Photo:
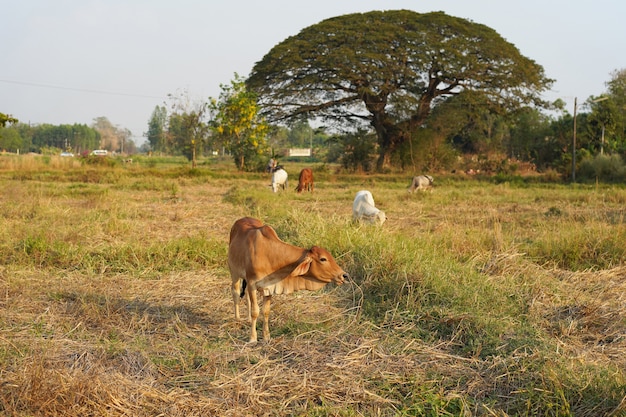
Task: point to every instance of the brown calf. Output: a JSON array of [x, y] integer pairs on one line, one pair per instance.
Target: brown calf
[[270, 266]]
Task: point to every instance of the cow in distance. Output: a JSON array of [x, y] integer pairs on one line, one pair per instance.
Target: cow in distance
[[421, 183], [364, 209], [279, 178], [305, 181], [260, 262]]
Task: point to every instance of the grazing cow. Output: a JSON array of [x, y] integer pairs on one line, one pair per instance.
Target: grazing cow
[[279, 179], [364, 209], [270, 266], [305, 182], [420, 183]]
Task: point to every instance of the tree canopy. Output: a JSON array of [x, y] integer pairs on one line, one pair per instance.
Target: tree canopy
[[156, 129], [389, 69], [238, 125], [188, 126], [6, 119]]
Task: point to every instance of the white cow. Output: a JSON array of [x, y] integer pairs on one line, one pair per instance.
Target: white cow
[[421, 182], [364, 209], [279, 179]]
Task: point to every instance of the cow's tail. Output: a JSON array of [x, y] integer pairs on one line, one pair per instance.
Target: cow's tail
[[243, 288]]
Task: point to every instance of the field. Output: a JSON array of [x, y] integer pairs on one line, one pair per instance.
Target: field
[[482, 297]]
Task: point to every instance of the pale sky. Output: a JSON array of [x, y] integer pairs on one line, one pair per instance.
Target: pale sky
[[71, 61]]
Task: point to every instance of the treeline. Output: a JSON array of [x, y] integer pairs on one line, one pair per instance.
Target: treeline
[[16, 137], [462, 133], [23, 138]]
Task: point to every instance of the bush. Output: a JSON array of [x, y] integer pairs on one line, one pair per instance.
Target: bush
[[605, 168], [98, 160], [358, 152]]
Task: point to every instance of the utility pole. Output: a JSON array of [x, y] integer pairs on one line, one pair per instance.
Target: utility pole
[[574, 144], [602, 141]]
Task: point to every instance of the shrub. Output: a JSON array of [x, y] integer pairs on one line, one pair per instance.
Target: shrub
[[98, 161], [606, 168]]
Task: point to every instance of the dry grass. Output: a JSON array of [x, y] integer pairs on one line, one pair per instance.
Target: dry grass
[[121, 346], [129, 318]]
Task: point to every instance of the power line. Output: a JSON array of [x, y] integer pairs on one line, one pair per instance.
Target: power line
[[82, 90]]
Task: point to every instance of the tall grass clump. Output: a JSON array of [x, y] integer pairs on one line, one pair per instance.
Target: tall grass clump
[[189, 253], [415, 286], [595, 250], [240, 197], [596, 244]]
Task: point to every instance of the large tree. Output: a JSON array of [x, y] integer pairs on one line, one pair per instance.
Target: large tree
[[188, 126], [389, 69], [112, 138]]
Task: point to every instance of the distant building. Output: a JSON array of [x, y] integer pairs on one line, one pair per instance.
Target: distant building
[[300, 152]]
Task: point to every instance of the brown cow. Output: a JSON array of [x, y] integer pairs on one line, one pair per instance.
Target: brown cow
[[266, 264], [306, 180]]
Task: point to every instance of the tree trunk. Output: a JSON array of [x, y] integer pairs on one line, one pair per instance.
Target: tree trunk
[[385, 132], [384, 160], [391, 135]]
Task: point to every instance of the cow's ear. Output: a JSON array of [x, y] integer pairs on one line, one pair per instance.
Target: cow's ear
[[303, 267]]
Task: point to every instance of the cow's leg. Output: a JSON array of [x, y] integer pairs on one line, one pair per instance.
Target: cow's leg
[[249, 309], [254, 312], [267, 302], [236, 290]]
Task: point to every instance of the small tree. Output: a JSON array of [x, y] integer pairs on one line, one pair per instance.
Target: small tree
[[109, 138], [7, 118], [238, 124], [188, 129], [10, 139], [359, 150], [156, 129], [617, 93]]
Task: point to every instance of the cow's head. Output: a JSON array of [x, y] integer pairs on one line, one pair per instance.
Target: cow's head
[[381, 217], [320, 264]]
